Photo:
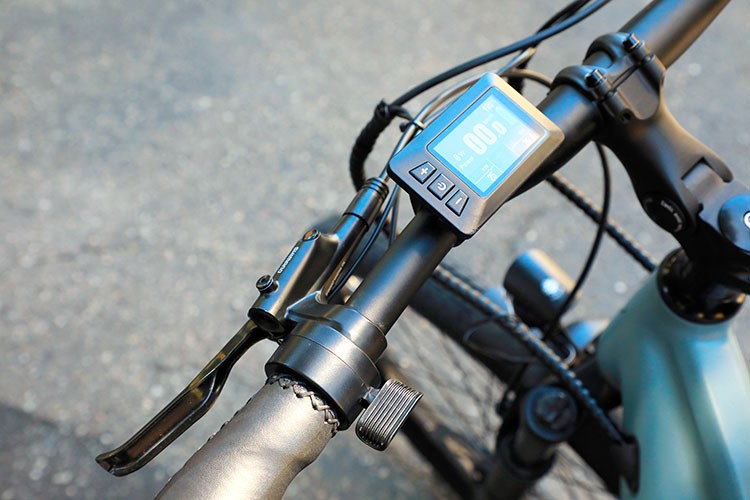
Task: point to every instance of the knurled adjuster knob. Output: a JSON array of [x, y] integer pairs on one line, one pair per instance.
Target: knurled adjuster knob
[[386, 413]]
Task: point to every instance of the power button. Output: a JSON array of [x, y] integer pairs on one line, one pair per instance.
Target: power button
[[440, 186]]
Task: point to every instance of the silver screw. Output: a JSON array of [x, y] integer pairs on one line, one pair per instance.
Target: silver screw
[[265, 283], [746, 219]]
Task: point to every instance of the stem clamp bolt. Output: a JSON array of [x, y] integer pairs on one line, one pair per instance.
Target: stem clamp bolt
[[631, 42], [594, 78], [311, 235]]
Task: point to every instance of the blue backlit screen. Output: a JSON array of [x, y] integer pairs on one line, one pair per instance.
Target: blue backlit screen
[[484, 144]]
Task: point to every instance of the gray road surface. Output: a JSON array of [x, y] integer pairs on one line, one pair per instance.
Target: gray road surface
[[157, 157]]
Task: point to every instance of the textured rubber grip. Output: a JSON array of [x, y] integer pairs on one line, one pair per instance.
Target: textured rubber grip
[[258, 452]]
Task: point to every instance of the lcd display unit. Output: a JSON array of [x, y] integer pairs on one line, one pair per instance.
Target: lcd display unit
[[475, 153], [484, 144]]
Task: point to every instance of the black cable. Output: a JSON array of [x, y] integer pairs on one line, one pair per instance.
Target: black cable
[[536, 346], [530, 41], [336, 288], [385, 113], [527, 74], [393, 232], [594, 246], [381, 118], [576, 196], [617, 233], [565, 12]]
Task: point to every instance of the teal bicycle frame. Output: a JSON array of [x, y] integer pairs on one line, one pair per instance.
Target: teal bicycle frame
[[686, 397]]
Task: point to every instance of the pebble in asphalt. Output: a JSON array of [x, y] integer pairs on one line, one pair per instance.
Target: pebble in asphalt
[[158, 157]]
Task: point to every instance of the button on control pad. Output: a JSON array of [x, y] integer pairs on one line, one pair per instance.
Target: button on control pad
[[441, 186], [422, 172], [457, 202]]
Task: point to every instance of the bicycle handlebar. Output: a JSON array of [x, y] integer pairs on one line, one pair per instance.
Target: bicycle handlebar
[[671, 26]]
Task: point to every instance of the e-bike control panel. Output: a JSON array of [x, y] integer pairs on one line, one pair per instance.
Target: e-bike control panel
[[467, 162]]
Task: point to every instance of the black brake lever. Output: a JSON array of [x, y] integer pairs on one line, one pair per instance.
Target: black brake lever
[[184, 410], [313, 264]]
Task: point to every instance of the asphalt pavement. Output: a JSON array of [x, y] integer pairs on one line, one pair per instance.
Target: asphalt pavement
[[157, 157]]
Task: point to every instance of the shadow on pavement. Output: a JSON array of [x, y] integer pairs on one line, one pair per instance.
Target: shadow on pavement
[[47, 461]]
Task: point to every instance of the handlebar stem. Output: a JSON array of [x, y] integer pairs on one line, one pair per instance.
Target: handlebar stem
[[680, 182], [615, 97]]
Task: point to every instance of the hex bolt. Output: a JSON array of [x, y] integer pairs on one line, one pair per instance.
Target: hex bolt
[[631, 42], [265, 283], [311, 235], [556, 410], [594, 78], [746, 220]]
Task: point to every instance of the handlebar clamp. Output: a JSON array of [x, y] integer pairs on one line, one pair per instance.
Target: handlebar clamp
[[334, 348], [630, 88]]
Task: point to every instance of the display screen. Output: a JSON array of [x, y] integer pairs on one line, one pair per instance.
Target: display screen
[[484, 144]]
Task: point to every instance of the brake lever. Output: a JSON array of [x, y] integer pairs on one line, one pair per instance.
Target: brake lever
[[184, 410], [313, 264]]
